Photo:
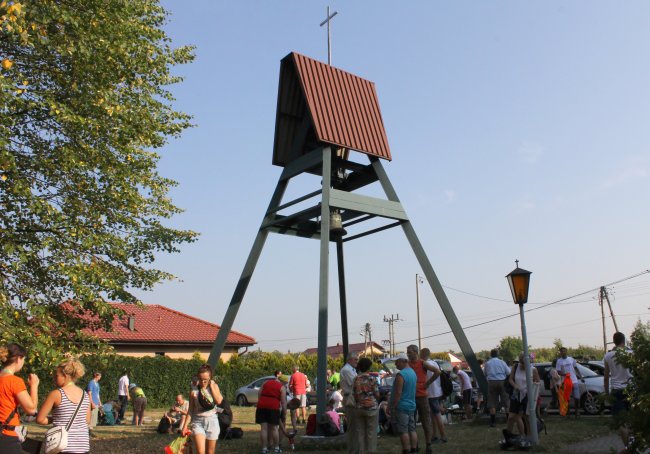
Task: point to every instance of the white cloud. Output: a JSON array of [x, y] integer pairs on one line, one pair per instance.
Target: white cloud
[[635, 169], [450, 195], [530, 151]]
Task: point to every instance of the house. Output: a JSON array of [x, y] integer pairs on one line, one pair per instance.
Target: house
[[155, 330], [361, 349], [456, 361]]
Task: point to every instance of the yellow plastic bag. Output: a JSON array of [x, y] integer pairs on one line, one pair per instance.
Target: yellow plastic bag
[[176, 446]]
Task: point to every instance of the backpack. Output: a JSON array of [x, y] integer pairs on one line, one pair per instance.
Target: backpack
[[164, 426], [232, 433], [446, 384], [310, 429], [507, 386]]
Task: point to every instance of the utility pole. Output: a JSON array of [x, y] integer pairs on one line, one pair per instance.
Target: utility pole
[[391, 331], [372, 347], [602, 297], [602, 315], [604, 291]]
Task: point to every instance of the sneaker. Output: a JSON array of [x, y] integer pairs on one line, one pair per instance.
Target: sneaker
[[444, 439], [265, 451], [277, 449], [435, 441], [428, 449]]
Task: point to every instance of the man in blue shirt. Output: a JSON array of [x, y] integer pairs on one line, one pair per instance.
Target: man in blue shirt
[[95, 400], [402, 404], [496, 372]]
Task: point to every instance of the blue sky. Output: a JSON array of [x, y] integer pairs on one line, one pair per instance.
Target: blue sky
[[519, 130]]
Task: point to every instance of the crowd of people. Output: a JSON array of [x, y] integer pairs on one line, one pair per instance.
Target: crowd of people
[[355, 404]]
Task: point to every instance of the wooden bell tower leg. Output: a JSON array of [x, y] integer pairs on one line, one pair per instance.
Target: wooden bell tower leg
[[436, 287], [246, 275], [321, 374]]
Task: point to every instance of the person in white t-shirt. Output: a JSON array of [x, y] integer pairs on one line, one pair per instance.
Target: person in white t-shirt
[[434, 393], [616, 378], [123, 396], [566, 365], [466, 389]]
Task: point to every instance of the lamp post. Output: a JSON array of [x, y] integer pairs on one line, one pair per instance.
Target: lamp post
[[418, 281], [519, 280]]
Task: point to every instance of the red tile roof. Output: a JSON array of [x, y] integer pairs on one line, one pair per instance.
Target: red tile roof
[[337, 350], [159, 324]]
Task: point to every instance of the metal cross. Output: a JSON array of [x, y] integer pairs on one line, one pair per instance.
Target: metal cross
[[329, 36]]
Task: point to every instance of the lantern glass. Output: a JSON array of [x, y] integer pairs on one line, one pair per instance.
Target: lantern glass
[[519, 280]]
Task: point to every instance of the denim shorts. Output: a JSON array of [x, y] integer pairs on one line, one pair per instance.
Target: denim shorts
[[208, 426], [434, 405]]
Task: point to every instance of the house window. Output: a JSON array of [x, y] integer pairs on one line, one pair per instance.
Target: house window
[[160, 353]]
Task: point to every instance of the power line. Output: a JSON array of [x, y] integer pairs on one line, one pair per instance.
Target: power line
[[531, 310]]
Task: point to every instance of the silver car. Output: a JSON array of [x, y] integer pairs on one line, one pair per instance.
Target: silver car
[[247, 394], [591, 387]]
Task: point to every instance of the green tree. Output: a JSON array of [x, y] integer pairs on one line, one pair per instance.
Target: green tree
[[638, 391], [510, 347], [84, 105]]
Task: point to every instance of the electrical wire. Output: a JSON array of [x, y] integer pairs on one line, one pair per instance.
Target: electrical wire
[[529, 310]]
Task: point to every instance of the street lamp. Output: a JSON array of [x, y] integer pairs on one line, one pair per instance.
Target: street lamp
[[418, 280], [519, 280]]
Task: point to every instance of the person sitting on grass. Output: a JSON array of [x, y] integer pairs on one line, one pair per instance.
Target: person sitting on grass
[[175, 416], [331, 424]]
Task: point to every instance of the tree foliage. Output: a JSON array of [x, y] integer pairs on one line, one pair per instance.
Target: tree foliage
[[84, 104], [638, 391]]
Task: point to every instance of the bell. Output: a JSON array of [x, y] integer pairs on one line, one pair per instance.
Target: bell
[[336, 224]]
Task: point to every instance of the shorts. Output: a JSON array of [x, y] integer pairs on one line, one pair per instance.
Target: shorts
[[139, 405], [467, 396], [576, 390], [267, 416], [302, 398], [403, 422], [208, 426], [434, 405], [497, 395], [620, 402], [517, 406]]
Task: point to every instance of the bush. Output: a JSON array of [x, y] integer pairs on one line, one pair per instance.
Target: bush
[[638, 391], [162, 378]]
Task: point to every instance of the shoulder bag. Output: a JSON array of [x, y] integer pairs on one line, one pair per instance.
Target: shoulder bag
[[56, 438]]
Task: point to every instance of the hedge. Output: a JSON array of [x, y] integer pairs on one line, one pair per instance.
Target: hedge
[[162, 378]]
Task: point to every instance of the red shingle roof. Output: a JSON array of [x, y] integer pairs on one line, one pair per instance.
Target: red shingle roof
[[337, 350], [159, 324]]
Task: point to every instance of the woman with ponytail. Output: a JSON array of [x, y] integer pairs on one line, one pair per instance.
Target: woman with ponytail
[[13, 394], [67, 402]]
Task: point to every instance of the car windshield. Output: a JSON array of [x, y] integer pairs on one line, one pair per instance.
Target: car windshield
[[586, 372]]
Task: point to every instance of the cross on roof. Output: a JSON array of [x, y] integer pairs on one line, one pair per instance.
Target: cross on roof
[[329, 36]]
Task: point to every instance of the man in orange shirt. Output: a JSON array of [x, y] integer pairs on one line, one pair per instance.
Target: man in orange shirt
[[421, 397], [298, 387]]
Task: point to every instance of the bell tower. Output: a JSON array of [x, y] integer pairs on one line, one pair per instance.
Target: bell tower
[[323, 115]]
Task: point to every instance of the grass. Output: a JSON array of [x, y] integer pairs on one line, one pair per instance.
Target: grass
[[474, 437]]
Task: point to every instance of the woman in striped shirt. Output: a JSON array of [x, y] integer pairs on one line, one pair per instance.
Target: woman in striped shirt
[[64, 401]]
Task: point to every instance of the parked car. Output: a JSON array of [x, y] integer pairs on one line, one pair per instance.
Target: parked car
[[247, 394], [593, 385], [596, 366]]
